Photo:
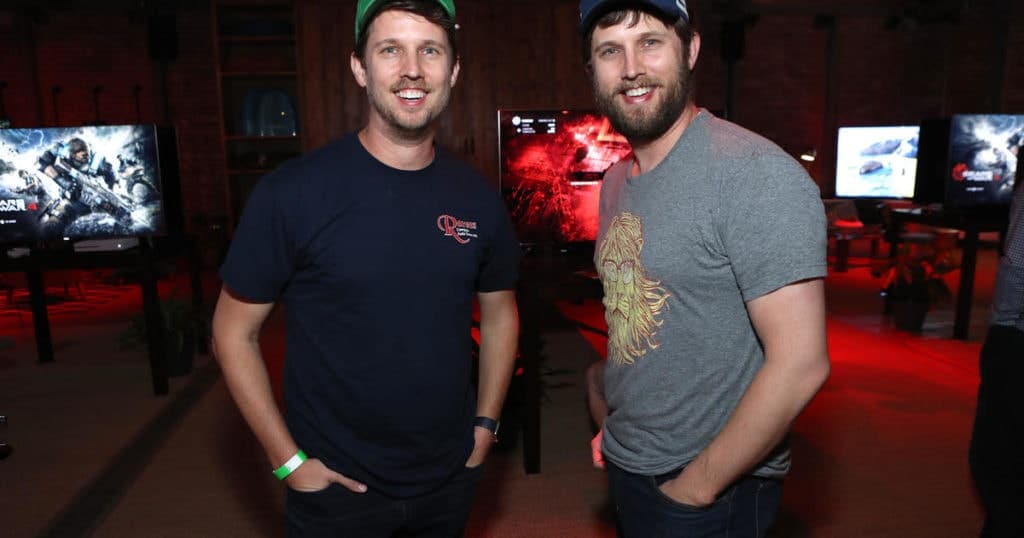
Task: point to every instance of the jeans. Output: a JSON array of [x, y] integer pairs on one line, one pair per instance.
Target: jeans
[[338, 512], [997, 442], [747, 508]]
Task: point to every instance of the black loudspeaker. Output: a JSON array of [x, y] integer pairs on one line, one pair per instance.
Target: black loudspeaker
[[733, 40], [932, 161], [163, 37]]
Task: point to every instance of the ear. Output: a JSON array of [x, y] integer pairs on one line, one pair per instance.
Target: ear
[[358, 70], [694, 50], [455, 72]]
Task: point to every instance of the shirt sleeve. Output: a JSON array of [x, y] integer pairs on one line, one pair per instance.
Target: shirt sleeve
[[500, 268], [259, 261], [773, 226]]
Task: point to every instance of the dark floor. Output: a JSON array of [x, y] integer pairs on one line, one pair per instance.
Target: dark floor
[[881, 452]]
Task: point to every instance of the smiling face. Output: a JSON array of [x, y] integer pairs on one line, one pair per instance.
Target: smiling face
[[641, 74], [408, 73]]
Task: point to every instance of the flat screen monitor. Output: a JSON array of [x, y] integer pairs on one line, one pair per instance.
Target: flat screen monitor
[[90, 182], [876, 162], [551, 163], [982, 165]]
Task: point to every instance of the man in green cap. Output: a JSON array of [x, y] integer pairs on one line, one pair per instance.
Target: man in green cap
[[377, 245]]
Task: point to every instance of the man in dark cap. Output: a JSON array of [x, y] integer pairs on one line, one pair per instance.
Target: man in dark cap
[[711, 251]]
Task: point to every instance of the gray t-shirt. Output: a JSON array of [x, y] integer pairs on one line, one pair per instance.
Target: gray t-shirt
[[726, 218], [1008, 301]]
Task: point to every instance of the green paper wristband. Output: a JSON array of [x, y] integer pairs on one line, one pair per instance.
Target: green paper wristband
[[293, 463]]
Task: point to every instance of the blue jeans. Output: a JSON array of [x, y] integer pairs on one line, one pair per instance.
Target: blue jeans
[[747, 508], [338, 512]]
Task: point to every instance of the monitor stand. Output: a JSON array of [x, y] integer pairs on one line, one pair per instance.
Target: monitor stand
[[106, 245]]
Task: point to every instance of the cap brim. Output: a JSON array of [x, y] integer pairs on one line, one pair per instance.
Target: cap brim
[[373, 7], [599, 11]]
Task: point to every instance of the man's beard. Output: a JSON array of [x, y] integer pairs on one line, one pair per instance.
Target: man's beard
[[410, 126], [646, 124]]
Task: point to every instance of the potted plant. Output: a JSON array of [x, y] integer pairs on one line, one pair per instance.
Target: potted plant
[[183, 327], [915, 284]]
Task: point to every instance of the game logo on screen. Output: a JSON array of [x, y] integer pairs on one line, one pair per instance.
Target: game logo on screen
[[983, 153], [551, 163], [876, 162], [79, 182]]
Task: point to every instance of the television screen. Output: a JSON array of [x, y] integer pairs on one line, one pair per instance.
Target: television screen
[[88, 182], [983, 153], [876, 162], [551, 163]]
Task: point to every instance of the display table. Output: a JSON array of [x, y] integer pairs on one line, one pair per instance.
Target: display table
[[142, 258], [971, 226]]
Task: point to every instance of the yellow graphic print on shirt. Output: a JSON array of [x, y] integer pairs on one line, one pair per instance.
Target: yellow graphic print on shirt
[[632, 301]]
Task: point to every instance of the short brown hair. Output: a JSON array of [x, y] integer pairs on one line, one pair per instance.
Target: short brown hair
[[631, 16], [432, 11]]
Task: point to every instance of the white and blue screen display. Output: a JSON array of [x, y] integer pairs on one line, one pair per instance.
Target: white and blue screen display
[[876, 162]]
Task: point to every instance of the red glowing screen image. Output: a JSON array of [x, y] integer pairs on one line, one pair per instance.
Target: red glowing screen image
[[551, 163]]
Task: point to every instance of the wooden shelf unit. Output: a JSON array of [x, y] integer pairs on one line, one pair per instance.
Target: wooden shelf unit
[[255, 46]]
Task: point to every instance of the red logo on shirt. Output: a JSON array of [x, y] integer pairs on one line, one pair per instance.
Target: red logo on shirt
[[459, 230]]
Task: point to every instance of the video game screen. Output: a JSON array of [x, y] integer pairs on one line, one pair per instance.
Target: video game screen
[[79, 182], [983, 153], [876, 162], [551, 163]]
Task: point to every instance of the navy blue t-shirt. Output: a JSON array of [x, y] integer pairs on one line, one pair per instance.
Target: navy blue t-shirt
[[377, 270]]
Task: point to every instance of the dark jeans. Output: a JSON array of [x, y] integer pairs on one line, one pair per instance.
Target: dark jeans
[[745, 509], [997, 442], [337, 512]]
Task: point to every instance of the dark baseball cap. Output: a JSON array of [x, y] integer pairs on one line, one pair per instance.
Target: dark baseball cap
[[591, 10], [366, 8]]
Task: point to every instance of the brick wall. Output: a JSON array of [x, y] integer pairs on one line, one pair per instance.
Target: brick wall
[[194, 110], [53, 62], [882, 75], [21, 103]]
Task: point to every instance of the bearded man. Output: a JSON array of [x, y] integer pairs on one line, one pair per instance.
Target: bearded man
[[377, 245], [711, 251]]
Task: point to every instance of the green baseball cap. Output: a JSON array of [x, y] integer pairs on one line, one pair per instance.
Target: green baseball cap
[[365, 10]]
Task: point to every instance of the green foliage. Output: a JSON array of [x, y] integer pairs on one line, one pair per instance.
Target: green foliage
[[917, 275]]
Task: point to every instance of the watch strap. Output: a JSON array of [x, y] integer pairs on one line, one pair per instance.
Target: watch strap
[[488, 423]]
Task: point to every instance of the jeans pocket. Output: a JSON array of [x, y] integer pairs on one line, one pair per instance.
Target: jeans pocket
[[767, 500], [669, 501], [335, 503], [722, 499], [321, 491], [316, 502]]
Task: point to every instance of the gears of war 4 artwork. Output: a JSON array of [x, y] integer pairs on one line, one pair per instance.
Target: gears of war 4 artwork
[[78, 182]]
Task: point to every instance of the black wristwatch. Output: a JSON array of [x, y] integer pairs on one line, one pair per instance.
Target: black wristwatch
[[489, 423]]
